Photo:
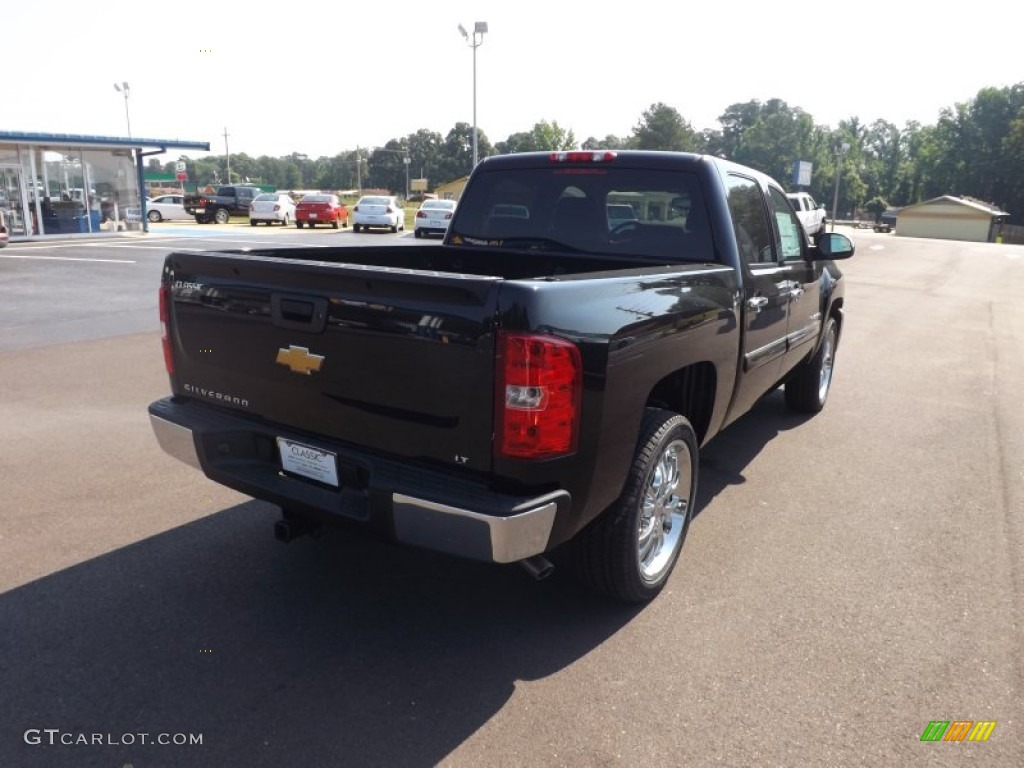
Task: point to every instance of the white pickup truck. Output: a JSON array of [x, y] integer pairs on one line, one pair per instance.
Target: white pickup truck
[[810, 213]]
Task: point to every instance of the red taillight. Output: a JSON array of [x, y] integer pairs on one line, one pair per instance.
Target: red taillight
[[390, 210], [277, 207], [421, 215], [165, 340], [539, 380], [582, 157], [355, 207], [447, 216]]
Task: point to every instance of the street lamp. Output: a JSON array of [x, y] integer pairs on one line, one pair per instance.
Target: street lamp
[[480, 28], [123, 88], [840, 152]]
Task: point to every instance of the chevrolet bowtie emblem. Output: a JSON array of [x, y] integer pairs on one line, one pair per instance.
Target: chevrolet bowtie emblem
[[299, 360]]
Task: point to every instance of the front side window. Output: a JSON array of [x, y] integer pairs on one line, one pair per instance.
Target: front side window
[[790, 238]]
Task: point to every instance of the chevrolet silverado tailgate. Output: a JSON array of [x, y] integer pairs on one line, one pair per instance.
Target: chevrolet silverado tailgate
[[394, 360]]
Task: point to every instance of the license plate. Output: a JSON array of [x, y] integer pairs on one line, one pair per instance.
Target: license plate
[[312, 215], [305, 460], [200, 210]]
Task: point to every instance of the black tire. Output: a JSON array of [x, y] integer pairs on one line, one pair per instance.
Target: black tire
[[334, 223], [394, 229], [311, 224], [154, 217], [417, 233], [253, 222], [344, 224], [610, 553], [355, 228], [298, 225], [222, 216], [808, 385]]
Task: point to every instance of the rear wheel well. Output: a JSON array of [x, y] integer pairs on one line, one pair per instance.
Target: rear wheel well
[[690, 391]]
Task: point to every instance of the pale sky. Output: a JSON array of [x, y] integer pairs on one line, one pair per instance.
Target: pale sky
[[281, 78]]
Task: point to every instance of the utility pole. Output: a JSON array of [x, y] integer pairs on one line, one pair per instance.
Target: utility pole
[[359, 173], [227, 154]]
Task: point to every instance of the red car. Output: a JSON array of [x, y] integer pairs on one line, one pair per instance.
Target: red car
[[321, 209]]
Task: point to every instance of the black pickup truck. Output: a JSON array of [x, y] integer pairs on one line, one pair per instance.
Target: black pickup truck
[[544, 377], [220, 207]]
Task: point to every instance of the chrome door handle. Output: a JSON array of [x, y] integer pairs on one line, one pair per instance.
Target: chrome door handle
[[757, 303]]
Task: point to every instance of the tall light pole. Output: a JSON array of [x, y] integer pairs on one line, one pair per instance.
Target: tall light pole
[[123, 88], [227, 154], [480, 28], [840, 152]]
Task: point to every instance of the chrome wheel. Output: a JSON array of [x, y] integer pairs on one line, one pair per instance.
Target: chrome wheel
[[630, 550], [827, 356], [664, 509]]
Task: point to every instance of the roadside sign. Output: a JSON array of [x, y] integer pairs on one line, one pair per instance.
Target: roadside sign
[[182, 176], [180, 166]]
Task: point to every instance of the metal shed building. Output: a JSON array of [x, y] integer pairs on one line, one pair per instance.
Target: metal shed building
[[950, 218]]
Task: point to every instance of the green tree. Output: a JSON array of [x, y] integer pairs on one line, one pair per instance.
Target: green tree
[[543, 137], [876, 206], [661, 127], [456, 155], [608, 142], [736, 120]]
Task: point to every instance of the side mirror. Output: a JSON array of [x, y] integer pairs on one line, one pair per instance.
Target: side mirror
[[832, 245]]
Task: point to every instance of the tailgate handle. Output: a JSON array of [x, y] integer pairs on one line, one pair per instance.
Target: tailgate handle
[[299, 313]]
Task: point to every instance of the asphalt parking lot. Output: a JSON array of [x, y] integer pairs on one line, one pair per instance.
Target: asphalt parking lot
[[850, 578]]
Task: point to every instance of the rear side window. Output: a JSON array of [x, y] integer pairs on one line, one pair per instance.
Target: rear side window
[[749, 220], [609, 210]]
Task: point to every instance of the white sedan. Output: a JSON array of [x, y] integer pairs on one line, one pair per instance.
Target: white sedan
[[433, 217], [166, 208], [378, 211], [271, 207]]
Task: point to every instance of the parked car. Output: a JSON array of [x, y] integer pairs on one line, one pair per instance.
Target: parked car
[[166, 208], [619, 214], [4, 235], [270, 207], [810, 213], [321, 209], [378, 211], [220, 204], [432, 218]]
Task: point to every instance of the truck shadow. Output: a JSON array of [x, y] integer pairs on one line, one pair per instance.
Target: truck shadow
[[723, 460], [337, 651]]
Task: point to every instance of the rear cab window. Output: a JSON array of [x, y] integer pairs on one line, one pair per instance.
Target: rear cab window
[[608, 210]]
